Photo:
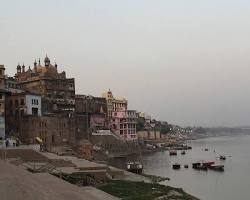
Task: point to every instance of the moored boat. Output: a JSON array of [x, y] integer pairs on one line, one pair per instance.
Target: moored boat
[[176, 166], [208, 163], [183, 152], [135, 167], [173, 153], [199, 166], [216, 167]]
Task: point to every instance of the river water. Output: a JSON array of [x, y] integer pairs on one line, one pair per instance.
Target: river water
[[232, 184]]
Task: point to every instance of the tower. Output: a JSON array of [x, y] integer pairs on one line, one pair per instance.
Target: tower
[[18, 69], [46, 61], [35, 66]]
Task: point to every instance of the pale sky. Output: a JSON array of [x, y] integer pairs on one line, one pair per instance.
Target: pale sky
[[186, 62]]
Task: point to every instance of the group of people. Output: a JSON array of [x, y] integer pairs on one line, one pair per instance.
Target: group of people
[[15, 143]]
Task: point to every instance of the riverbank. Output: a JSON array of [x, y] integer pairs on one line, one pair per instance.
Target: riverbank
[[84, 173]]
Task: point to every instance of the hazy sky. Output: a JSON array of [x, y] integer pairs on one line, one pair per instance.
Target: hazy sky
[[184, 61]]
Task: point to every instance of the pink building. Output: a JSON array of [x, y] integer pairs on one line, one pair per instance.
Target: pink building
[[124, 124], [114, 103]]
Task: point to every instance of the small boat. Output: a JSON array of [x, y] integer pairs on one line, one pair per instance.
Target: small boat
[[173, 153], [222, 157], [208, 163], [206, 149], [217, 167], [176, 166], [183, 152], [135, 167], [199, 166], [186, 166]]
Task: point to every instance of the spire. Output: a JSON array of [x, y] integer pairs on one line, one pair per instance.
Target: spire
[[46, 61], [18, 68], [35, 63], [23, 68]]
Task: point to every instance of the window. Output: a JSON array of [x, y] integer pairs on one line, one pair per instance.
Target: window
[[35, 111], [22, 102], [53, 139], [16, 102], [34, 101]]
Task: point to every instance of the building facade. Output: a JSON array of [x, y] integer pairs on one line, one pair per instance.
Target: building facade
[[57, 91], [91, 115], [2, 102], [23, 104], [53, 130], [124, 124], [114, 103]]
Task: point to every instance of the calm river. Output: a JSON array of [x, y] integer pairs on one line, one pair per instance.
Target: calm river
[[232, 184]]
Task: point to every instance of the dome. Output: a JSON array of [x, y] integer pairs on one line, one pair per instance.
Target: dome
[[18, 66], [46, 59]]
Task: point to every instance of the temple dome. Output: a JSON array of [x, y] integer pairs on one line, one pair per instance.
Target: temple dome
[[46, 59]]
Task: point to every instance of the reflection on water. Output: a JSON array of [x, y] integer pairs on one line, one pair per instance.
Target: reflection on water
[[232, 184]]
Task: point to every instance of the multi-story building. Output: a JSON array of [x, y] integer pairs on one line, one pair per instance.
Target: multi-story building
[[53, 130], [114, 103], [2, 102], [23, 104], [41, 103], [124, 124], [57, 91], [91, 115], [121, 120]]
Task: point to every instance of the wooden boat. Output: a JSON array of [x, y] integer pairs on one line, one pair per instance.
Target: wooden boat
[[183, 152], [199, 166], [173, 153], [217, 167], [206, 149], [186, 166], [176, 166], [208, 163], [135, 167]]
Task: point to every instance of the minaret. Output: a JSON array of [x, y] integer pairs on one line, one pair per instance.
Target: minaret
[[18, 69], [35, 66], [46, 61], [23, 68]]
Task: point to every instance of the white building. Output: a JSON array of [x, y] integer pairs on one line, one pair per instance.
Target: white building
[[24, 104]]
